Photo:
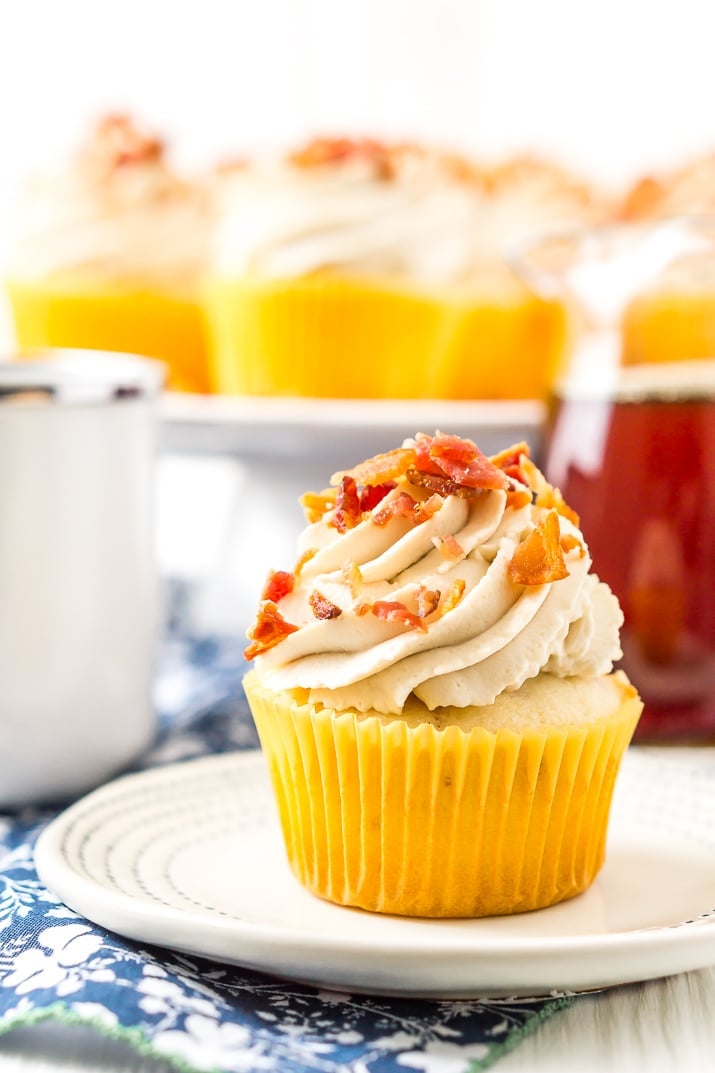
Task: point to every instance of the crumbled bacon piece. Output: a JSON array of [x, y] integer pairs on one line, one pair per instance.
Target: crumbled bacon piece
[[323, 151], [509, 461], [425, 510], [402, 506], [391, 611], [118, 142], [447, 465], [347, 511], [454, 594], [569, 542], [547, 496], [322, 607], [373, 494], [539, 558], [380, 468], [449, 547], [460, 460], [427, 601], [518, 498], [267, 631], [316, 504], [552, 499], [443, 486], [278, 584]]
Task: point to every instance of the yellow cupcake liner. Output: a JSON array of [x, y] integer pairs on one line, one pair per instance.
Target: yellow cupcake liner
[[337, 337], [420, 821], [156, 324]]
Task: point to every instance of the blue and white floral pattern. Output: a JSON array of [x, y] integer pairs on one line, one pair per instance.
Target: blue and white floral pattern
[[196, 1014]]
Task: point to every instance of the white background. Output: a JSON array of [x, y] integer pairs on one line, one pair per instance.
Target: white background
[[611, 86]]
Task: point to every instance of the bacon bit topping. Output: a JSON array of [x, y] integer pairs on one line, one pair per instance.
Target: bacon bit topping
[[373, 494], [347, 511], [510, 461], [353, 577], [533, 477], [381, 468], [442, 486], [539, 558], [323, 151], [425, 510], [569, 542], [322, 607], [453, 595], [267, 631], [447, 465], [427, 601], [449, 548], [117, 143], [391, 611], [552, 499], [460, 460], [518, 498], [547, 496], [511, 456], [278, 584], [402, 506], [316, 504]]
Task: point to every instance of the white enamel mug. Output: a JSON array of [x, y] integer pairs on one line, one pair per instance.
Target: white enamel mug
[[78, 583]]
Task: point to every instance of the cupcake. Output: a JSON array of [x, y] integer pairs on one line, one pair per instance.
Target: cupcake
[[109, 253], [356, 269], [674, 319], [433, 688]]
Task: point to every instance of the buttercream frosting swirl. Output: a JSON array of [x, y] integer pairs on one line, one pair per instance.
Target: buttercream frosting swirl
[[437, 573], [357, 208], [115, 212]]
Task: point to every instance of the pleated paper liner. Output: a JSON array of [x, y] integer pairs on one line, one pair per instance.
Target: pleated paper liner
[[133, 319], [337, 337], [411, 819]]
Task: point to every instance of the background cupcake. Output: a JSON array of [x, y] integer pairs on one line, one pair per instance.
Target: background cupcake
[[433, 688], [109, 252], [357, 269]]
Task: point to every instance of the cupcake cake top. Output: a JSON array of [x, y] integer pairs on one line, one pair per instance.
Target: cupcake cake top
[[437, 572], [356, 206], [115, 212]]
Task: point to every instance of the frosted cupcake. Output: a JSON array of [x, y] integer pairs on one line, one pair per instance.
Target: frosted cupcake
[[109, 253], [433, 688], [355, 269]]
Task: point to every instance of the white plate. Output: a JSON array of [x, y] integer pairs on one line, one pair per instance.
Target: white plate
[[280, 427], [189, 857]]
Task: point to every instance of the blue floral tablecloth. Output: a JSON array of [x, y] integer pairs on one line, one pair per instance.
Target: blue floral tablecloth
[[196, 1014]]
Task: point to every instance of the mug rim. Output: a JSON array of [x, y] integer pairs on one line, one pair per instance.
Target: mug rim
[[74, 376]]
